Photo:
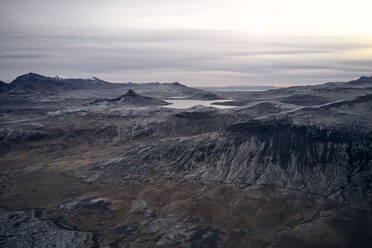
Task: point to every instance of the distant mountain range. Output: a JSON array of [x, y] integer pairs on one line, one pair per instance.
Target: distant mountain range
[[32, 83], [239, 88]]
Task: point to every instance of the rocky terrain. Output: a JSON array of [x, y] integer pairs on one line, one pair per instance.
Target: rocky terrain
[[88, 163]]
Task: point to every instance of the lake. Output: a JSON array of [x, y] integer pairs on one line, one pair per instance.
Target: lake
[[185, 104]]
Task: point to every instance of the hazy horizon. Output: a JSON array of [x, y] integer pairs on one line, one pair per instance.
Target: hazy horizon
[[213, 43]]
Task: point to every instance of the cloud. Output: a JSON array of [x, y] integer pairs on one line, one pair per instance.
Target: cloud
[[209, 56], [22, 56]]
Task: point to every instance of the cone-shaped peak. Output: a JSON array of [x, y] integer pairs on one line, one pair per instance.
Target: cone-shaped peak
[[131, 93]]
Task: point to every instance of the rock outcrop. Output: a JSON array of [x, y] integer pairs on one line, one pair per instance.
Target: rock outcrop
[[19, 230]]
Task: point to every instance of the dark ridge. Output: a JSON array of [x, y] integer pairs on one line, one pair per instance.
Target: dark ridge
[[30, 77], [206, 96], [98, 79], [153, 83], [362, 80], [303, 100], [178, 84], [330, 86], [34, 83], [259, 127], [341, 89], [265, 108], [196, 115], [361, 99], [273, 127]]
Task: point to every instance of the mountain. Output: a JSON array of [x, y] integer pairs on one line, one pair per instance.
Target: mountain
[[35, 83], [130, 98], [362, 81], [309, 95]]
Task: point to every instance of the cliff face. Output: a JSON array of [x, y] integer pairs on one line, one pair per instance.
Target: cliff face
[[333, 164]]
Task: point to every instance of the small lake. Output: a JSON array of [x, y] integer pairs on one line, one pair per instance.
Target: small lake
[[185, 104]]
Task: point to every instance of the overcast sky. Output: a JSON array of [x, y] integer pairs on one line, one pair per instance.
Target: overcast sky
[[209, 42]]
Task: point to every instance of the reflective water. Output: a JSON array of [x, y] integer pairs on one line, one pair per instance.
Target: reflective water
[[184, 104]]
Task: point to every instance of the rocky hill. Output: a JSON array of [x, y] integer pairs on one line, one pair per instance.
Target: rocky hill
[[130, 98]]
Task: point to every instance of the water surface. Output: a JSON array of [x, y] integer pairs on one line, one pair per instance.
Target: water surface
[[184, 104]]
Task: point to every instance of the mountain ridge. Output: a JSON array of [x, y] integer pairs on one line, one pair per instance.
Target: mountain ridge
[[33, 82]]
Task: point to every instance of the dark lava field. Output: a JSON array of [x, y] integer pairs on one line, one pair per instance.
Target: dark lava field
[[88, 163]]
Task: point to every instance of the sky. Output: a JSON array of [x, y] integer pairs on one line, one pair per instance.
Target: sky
[[198, 43]]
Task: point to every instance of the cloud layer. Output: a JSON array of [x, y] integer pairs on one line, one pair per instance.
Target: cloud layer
[[84, 46]]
